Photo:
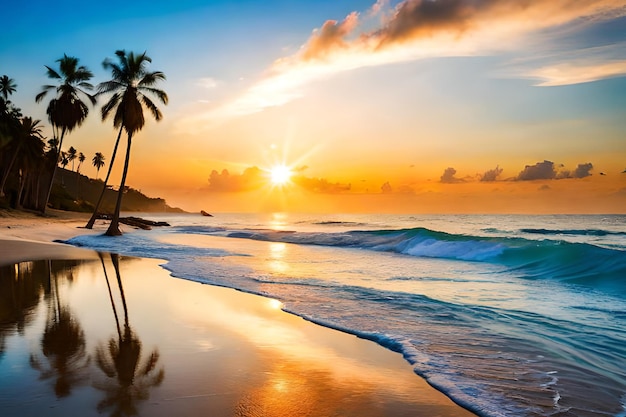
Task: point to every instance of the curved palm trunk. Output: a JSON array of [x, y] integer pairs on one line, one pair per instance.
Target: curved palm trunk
[[92, 220], [54, 171], [114, 227]]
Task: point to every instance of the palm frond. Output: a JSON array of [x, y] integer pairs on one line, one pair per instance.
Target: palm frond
[[82, 74], [109, 86], [152, 107], [85, 85], [110, 105], [40, 96], [151, 78], [161, 95], [52, 73]]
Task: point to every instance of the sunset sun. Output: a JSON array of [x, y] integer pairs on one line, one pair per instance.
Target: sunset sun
[[280, 175]]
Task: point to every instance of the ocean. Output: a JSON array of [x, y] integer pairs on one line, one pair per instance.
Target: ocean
[[508, 315]]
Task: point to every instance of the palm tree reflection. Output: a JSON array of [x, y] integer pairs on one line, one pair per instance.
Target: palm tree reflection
[[128, 377], [62, 344], [21, 288]]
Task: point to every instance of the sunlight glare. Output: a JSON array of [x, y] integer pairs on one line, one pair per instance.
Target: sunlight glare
[[280, 175]]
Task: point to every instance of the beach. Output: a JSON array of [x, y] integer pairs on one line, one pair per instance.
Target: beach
[[84, 333]]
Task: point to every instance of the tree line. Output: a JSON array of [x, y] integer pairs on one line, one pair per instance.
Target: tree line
[[31, 160]]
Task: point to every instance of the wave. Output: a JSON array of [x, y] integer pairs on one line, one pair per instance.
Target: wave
[[338, 223], [575, 263], [575, 232]]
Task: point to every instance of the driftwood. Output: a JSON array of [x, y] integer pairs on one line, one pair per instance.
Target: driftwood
[[135, 221]]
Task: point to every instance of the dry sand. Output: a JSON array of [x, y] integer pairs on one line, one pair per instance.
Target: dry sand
[[220, 352]]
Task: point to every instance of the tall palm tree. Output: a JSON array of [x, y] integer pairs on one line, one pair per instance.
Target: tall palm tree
[[98, 162], [72, 153], [66, 110], [129, 86], [81, 159], [7, 86]]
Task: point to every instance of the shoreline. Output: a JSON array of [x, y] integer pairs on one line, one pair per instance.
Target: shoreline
[[30, 238], [25, 235]]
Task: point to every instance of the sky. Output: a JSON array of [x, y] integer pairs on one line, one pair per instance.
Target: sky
[[414, 106]]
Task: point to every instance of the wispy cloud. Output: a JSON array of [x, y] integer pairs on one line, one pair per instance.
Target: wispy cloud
[[207, 82], [417, 29], [567, 73]]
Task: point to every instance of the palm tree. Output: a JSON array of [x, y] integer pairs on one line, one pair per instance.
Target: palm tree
[[28, 128], [66, 111], [8, 113], [81, 159], [30, 162], [64, 159], [71, 155], [129, 378], [131, 81], [7, 86], [98, 162], [63, 345]]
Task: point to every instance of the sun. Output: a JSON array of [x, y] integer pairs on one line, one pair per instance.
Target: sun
[[280, 174]]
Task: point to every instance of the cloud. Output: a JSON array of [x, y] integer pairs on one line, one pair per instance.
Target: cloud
[[540, 171], [491, 175], [448, 176], [546, 170], [320, 185], [417, 29], [331, 35], [207, 82], [577, 72], [250, 179], [583, 170]]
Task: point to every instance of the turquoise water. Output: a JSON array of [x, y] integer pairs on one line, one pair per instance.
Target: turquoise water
[[507, 315]]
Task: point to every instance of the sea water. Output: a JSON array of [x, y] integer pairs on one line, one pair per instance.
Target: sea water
[[508, 315]]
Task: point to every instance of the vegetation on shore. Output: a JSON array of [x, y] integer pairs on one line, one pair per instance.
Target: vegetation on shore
[[33, 166]]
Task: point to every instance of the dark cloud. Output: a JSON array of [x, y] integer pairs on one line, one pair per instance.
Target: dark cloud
[[583, 170], [448, 176], [540, 171], [250, 179], [419, 17], [547, 170], [491, 175]]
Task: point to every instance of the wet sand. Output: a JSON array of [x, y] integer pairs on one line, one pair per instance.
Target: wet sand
[[120, 335]]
